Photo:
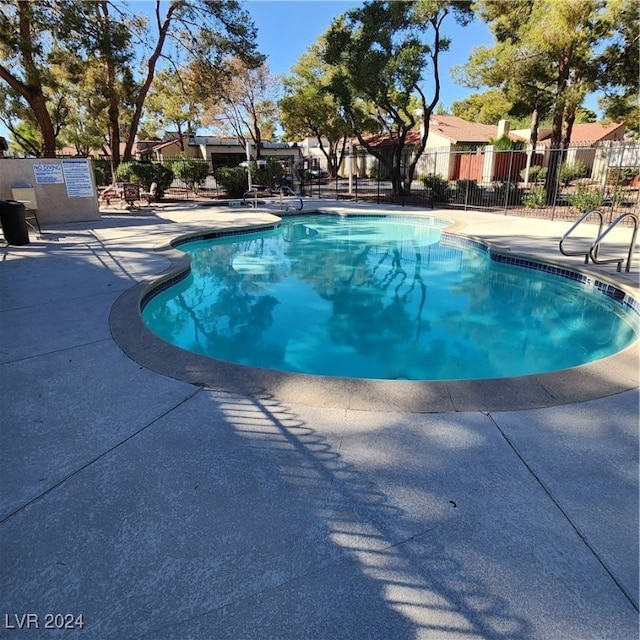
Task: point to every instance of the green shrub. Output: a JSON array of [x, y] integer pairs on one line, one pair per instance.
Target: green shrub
[[269, 176], [233, 179], [584, 200], [102, 172], [536, 198], [438, 186], [507, 193], [536, 173], [144, 173], [569, 172], [192, 171], [505, 143], [131, 172], [623, 176], [469, 192]]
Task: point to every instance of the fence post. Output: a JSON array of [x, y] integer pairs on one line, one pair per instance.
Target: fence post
[[557, 163], [468, 185], [617, 183], [506, 195], [433, 180], [378, 180]]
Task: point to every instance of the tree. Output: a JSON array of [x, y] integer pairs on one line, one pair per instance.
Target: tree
[[512, 73], [544, 53], [82, 83], [205, 31], [617, 74], [172, 104], [380, 53], [244, 106], [26, 60], [488, 108], [103, 32], [309, 110], [19, 120]]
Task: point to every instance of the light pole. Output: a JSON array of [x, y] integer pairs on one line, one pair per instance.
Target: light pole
[[248, 150]]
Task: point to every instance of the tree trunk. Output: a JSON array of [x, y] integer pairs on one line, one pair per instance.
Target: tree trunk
[[397, 179], [114, 121], [38, 105], [163, 28], [113, 110], [567, 127], [535, 124], [555, 157], [31, 88], [258, 140]]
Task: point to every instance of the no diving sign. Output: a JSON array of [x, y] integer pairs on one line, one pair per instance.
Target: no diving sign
[[48, 173]]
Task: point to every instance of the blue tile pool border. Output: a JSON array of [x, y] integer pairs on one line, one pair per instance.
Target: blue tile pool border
[[611, 291]]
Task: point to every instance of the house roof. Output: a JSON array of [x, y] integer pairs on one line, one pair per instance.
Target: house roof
[[165, 144], [386, 140], [143, 146], [595, 131], [587, 133], [215, 141], [459, 130], [450, 127]]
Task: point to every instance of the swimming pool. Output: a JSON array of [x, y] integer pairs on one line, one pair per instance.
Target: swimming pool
[[384, 298]]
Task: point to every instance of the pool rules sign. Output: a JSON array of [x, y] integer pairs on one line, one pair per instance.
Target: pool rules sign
[[77, 178]]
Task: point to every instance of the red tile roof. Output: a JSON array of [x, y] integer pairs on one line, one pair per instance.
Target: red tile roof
[[451, 127], [385, 140], [591, 132], [459, 130]]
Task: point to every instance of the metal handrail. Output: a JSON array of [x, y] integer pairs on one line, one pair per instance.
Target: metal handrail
[[593, 252], [581, 219], [284, 189], [253, 191]]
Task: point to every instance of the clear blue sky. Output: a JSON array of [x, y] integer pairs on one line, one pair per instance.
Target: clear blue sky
[[286, 28]]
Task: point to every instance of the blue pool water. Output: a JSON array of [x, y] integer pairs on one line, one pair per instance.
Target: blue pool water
[[387, 298]]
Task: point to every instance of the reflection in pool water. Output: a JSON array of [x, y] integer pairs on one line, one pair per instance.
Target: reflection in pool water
[[381, 298]]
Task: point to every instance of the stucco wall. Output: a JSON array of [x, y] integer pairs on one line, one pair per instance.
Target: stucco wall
[[54, 203]]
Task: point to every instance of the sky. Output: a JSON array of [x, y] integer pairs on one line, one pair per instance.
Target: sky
[[286, 28]]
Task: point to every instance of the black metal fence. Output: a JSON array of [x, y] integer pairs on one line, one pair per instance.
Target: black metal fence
[[180, 190], [552, 184], [556, 184]]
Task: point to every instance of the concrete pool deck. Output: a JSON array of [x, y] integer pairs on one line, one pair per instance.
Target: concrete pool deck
[[162, 508]]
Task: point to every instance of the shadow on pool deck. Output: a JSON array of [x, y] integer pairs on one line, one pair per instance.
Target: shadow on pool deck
[[160, 508]]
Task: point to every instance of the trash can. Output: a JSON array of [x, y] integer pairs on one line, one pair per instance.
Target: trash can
[[14, 225]]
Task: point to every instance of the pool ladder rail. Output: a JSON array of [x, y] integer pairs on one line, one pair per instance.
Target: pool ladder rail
[[283, 192], [289, 192], [592, 252]]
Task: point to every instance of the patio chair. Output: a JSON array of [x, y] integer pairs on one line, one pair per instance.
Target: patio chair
[[26, 194], [150, 195]]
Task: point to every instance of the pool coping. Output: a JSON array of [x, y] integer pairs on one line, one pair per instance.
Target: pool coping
[[605, 377]]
